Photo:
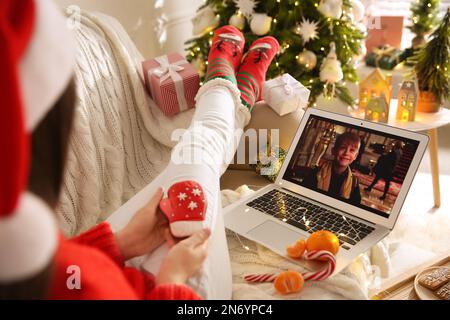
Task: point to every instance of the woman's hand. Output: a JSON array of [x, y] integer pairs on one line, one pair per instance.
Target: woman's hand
[[184, 259], [146, 230]]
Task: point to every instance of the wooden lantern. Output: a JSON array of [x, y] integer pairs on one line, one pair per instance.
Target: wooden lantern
[[408, 97], [377, 109], [373, 86]]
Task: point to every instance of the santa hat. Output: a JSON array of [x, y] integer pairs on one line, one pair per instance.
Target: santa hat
[[36, 63]]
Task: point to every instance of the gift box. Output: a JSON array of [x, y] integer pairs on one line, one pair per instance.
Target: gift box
[[172, 82], [284, 94], [384, 31], [386, 57]]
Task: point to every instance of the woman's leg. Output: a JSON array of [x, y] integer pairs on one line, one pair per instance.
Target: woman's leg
[[203, 155]]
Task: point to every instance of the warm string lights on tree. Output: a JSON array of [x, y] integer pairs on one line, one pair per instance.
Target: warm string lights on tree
[[305, 29], [424, 18], [433, 62]]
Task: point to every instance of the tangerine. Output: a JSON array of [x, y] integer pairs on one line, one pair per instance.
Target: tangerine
[[297, 249], [323, 240], [289, 282]]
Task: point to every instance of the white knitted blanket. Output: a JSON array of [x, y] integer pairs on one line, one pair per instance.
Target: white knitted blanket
[[247, 257], [121, 140]]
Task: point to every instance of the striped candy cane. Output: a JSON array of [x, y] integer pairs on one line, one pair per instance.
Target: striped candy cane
[[308, 276]]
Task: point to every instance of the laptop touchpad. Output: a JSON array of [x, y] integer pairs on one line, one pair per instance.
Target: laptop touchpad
[[275, 235]]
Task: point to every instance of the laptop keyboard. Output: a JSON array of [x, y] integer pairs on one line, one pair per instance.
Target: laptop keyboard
[[310, 217]]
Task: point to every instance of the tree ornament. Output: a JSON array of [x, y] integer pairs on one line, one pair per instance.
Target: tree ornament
[[331, 8], [361, 27], [260, 24], [357, 11], [330, 70], [246, 7], [204, 21], [308, 59], [307, 30], [237, 20], [362, 50]]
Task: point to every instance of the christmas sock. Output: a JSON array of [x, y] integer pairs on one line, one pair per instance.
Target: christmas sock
[[225, 54], [252, 72]]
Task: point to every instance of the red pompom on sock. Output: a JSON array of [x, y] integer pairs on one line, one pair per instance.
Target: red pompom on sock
[[225, 54], [252, 72], [185, 207]]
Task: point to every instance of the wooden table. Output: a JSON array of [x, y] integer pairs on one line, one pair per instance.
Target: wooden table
[[428, 122], [402, 287]]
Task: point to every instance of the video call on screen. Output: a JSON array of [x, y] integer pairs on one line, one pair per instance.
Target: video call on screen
[[362, 167]]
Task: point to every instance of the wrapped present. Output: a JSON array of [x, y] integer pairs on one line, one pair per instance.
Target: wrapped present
[[384, 31], [284, 94], [172, 83], [385, 57]]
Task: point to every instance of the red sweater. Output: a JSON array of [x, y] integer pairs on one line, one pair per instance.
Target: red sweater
[[100, 265]]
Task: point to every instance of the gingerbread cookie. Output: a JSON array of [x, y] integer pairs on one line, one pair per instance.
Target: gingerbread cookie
[[444, 292], [435, 279]]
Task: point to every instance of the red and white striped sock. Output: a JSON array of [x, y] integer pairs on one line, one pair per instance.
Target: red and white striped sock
[[252, 72], [225, 54]]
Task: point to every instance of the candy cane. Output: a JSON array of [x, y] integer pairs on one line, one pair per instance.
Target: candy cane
[[324, 273], [308, 276]]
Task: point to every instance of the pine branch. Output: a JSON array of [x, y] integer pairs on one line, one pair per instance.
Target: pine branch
[[424, 16], [432, 62]]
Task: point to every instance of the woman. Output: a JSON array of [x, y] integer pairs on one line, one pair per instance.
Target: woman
[[97, 257]]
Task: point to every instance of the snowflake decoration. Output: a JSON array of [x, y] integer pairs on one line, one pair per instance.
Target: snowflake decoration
[[192, 205], [196, 192], [181, 196], [308, 30], [246, 7]]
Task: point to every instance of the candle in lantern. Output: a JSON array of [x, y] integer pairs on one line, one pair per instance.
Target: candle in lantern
[[405, 115], [375, 116]]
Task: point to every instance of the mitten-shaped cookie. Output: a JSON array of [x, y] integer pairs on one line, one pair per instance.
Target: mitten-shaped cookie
[[185, 207]]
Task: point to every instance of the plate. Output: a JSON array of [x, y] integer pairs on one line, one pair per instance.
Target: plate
[[422, 292]]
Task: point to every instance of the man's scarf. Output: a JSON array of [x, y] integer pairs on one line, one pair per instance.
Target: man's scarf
[[324, 178]]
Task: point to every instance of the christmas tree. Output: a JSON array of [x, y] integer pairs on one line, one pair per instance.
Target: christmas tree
[[432, 66], [424, 19], [320, 40]]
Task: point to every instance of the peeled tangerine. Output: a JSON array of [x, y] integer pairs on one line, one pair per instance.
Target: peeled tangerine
[[289, 282], [323, 240], [297, 249]]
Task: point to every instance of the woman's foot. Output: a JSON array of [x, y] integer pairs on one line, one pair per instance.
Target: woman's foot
[[225, 54], [252, 72]]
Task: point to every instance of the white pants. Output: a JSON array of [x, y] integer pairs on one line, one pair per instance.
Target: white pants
[[210, 143]]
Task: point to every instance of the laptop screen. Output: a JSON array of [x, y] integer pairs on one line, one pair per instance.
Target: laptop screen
[[363, 167]]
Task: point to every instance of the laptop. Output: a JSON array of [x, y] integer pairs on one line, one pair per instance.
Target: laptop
[[325, 184]]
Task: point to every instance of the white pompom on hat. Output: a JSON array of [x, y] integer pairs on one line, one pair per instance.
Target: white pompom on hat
[[37, 60]]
